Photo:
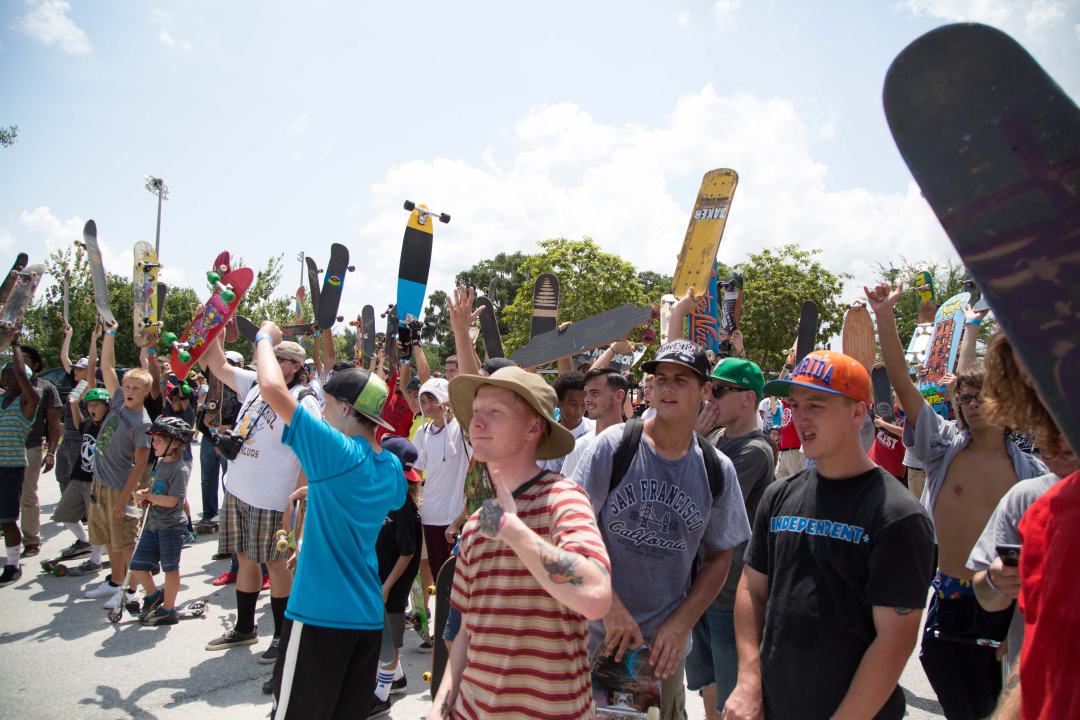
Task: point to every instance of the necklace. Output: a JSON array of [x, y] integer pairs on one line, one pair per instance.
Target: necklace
[[437, 432]]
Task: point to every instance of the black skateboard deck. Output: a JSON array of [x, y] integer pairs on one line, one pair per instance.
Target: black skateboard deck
[[330, 295], [162, 292], [313, 283], [729, 295], [247, 328], [994, 145], [545, 305], [367, 319], [67, 282], [489, 328], [602, 329], [978, 302], [298, 330], [883, 404], [443, 585], [5, 289], [807, 331], [97, 272], [415, 260]]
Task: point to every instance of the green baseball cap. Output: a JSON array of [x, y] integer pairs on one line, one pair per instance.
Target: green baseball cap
[[741, 372]]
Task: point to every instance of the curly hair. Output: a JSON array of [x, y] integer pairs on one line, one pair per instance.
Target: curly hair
[[1008, 401]]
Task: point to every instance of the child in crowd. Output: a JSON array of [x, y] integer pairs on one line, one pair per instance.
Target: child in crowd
[[17, 412], [75, 502]]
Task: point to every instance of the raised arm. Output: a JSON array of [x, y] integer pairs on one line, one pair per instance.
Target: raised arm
[[272, 386], [881, 665], [461, 317], [213, 359], [316, 352], [108, 359], [151, 364], [329, 353], [619, 347], [679, 311], [65, 348], [970, 342], [883, 301], [423, 370], [751, 598], [30, 398], [91, 359]]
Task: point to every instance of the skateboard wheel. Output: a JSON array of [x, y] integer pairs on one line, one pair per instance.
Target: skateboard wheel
[[169, 337], [431, 590], [228, 296], [655, 312], [185, 357], [340, 318], [213, 278], [648, 336], [653, 713], [444, 218], [410, 205], [282, 545], [212, 406], [60, 571], [352, 268], [87, 301]]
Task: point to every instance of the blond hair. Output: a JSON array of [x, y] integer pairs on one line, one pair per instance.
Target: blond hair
[[140, 374]]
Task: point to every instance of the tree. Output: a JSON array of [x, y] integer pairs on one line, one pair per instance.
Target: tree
[[654, 284], [776, 284], [8, 135]]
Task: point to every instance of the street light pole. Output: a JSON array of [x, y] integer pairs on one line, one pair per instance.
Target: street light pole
[[157, 187]]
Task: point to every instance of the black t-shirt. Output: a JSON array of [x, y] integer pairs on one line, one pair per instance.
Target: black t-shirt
[[50, 399], [833, 549], [153, 407], [83, 470], [401, 534]]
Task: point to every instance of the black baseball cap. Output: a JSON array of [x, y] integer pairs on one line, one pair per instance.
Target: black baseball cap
[[497, 364], [362, 390], [681, 352], [406, 453], [413, 384]]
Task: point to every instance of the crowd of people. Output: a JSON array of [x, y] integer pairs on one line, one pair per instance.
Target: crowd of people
[[773, 544]]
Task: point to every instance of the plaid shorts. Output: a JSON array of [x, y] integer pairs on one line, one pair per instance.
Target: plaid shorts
[[245, 528]]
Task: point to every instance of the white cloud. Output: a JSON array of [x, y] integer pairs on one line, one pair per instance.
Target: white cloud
[[297, 155], [683, 18], [6, 242], [298, 126], [619, 194], [723, 9], [1037, 14], [56, 234], [1076, 29], [47, 22], [827, 131], [164, 20], [173, 276], [1043, 14]]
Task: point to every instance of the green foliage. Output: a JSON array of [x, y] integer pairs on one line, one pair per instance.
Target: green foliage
[[8, 135]]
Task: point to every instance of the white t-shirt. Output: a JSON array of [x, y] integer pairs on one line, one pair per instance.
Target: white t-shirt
[[570, 461], [649, 412], [264, 473], [584, 427], [443, 457], [317, 388], [765, 406]]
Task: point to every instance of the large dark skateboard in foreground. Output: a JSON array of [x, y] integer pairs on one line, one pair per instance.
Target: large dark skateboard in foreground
[[330, 295], [489, 328], [607, 327], [808, 320], [545, 304], [247, 328], [883, 404], [439, 657], [994, 144]]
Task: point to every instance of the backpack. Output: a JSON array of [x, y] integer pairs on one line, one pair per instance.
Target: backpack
[[627, 449]]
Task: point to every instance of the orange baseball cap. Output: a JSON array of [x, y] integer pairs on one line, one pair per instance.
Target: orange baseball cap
[[829, 371]]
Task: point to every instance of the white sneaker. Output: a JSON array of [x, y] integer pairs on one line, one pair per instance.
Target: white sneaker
[[102, 590], [111, 602]]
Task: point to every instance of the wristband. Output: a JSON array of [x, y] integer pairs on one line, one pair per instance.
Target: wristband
[[974, 321], [318, 334], [110, 332], [403, 362], [990, 582], [151, 351], [263, 336]]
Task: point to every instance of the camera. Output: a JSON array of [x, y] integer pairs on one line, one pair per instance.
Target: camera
[[227, 443]]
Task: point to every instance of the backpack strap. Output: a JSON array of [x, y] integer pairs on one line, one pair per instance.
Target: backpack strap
[[624, 454], [713, 469], [306, 393]]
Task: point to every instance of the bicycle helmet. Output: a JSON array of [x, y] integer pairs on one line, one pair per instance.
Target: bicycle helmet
[[172, 427], [99, 394]]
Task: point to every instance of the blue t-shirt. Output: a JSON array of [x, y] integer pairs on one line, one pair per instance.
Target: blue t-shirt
[[351, 489]]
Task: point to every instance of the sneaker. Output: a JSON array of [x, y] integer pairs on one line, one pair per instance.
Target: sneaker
[[11, 574], [268, 687], [192, 536], [225, 578], [160, 617], [271, 655], [76, 548], [399, 685], [233, 639], [152, 602], [104, 590], [426, 647], [221, 556], [379, 707], [85, 568], [30, 551], [131, 601], [266, 582]]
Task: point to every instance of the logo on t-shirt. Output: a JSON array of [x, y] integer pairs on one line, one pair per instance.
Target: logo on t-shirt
[[785, 417], [821, 528], [86, 452], [647, 513], [104, 438]]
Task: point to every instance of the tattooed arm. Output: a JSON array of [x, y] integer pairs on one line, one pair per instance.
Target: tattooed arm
[[455, 666], [580, 583], [1008, 706]]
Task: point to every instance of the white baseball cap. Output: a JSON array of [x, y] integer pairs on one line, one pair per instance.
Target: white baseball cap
[[83, 363], [234, 357]]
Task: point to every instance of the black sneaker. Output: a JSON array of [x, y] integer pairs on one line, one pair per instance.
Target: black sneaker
[[271, 655], [11, 574], [233, 639], [221, 556], [426, 647], [399, 685], [160, 617], [152, 602], [75, 549], [379, 708], [30, 551], [131, 604], [268, 687]]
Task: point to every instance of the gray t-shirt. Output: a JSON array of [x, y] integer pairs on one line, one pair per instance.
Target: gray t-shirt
[[752, 456], [169, 478], [1003, 529], [655, 521], [122, 432]]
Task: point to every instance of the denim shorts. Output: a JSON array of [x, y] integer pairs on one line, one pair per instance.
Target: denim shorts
[[453, 625], [713, 658], [163, 546], [11, 482]]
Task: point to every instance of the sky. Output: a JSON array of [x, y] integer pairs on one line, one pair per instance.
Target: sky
[[283, 127]]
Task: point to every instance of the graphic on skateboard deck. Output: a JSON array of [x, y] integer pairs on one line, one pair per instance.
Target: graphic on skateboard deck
[[625, 689], [705, 319], [444, 583], [730, 292], [602, 329], [417, 615], [162, 292], [18, 300], [223, 266], [808, 320], [996, 158], [228, 292], [545, 305], [9, 280], [298, 331], [944, 344], [415, 260], [330, 294], [923, 284], [67, 284], [859, 339], [247, 328], [666, 303], [211, 403], [367, 316], [489, 327], [621, 362], [883, 402], [697, 258], [144, 287], [97, 271], [920, 343]]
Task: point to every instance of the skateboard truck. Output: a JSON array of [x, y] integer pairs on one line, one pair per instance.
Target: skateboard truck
[[215, 284], [181, 347], [143, 265], [425, 214], [284, 541]]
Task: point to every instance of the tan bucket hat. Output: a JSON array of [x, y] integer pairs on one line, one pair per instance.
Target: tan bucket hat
[[532, 388]]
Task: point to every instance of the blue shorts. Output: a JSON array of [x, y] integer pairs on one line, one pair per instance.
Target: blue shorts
[[11, 482], [713, 658], [163, 546], [453, 625]]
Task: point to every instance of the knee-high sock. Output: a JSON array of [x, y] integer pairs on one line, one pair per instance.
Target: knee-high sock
[[245, 610]]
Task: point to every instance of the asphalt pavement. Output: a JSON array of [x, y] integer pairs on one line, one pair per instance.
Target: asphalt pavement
[[61, 657]]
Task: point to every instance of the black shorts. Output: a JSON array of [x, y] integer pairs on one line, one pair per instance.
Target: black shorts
[[325, 673], [11, 482]]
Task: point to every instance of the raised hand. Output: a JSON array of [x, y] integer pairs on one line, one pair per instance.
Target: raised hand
[[883, 298], [270, 328]]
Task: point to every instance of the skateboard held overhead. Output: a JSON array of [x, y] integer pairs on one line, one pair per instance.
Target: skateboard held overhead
[[330, 295], [247, 328], [18, 300], [808, 320], [729, 295], [415, 260], [9, 280], [97, 271], [697, 258], [489, 328], [602, 329], [545, 304], [313, 283], [883, 401], [859, 339], [367, 318], [144, 288], [228, 292]]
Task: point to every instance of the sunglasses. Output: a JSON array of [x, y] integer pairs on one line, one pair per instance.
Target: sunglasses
[[719, 390], [967, 399], [284, 359]]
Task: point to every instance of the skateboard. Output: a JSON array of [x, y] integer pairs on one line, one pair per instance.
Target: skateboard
[[807, 331], [415, 260], [729, 294], [298, 309], [489, 327], [330, 295], [587, 334], [195, 609], [97, 271], [298, 331], [941, 357], [417, 616], [969, 286], [923, 284], [367, 316], [9, 280], [666, 303], [859, 339], [313, 283], [626, 689], [145, 295], [883, 404], [56, 566], [920, 343], [545, 305], [205, 327], [204, 528], [67, 283], [247, 328], [621, 362], [223, 266], [444, 583], [705, 319], [697, 258], [284, 540], [18, 300], [211, 404], [391, 323], [162, 292], [996, 158]]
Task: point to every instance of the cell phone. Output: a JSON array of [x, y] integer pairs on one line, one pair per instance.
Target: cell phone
[[1009, 554]]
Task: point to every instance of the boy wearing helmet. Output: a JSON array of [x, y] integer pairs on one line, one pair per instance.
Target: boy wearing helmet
[[164, 528]]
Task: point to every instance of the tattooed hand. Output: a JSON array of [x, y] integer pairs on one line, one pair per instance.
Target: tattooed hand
[[496, 511]]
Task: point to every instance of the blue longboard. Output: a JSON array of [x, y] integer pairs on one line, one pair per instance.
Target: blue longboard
[[415, 261], [944, 345]]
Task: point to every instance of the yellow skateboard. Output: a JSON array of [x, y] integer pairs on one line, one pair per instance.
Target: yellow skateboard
[[697, 259], [145, 300]]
